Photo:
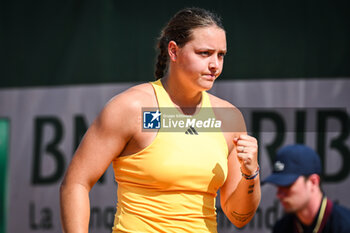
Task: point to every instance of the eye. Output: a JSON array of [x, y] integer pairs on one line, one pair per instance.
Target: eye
[[204, 53], [222, 55]]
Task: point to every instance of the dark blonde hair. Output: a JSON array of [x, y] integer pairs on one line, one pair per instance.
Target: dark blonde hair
[[179, 29]]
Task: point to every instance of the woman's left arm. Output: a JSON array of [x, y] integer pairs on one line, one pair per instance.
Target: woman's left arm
[[240, 195]]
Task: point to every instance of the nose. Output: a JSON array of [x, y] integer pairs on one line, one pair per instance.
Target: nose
[[214, 64]]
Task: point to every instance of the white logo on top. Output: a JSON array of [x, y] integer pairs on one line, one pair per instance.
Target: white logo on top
[[279, 166]]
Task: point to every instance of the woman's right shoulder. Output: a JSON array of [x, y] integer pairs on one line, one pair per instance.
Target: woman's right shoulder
[[138, 96], [124, 110]]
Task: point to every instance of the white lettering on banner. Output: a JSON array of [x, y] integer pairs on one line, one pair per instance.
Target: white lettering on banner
[[47, 133], [209, 123]]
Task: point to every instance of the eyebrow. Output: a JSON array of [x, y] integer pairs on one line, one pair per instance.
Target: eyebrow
[[211, 50]]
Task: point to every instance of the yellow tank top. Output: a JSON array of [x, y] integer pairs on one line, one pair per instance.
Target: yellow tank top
[[171, 185]]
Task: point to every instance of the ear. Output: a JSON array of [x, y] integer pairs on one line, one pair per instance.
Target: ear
[[172, 50], [315, 179]]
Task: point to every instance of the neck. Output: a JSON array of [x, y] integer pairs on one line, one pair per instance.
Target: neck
[[181, 94], [308, 214]]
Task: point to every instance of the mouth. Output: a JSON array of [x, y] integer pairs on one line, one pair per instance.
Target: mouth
[[209, 77]]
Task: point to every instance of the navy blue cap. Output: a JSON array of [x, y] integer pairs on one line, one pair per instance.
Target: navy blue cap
[[293, 161]]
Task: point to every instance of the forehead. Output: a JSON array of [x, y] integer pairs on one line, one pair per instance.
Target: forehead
[[211, 36]]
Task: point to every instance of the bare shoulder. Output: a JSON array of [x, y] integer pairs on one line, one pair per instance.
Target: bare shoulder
[[133, 99], [230, 115], [138, 95], [220, 103], [123, 111]]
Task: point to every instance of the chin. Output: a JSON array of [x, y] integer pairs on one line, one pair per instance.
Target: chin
[[206, 85], [205, 88], [289, 209]]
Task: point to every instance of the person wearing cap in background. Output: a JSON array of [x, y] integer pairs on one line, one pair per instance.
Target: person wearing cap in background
[[296, 173]]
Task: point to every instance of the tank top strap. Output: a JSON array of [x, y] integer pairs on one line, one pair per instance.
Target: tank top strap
[[205, 100], [162, 96], [165, 101]]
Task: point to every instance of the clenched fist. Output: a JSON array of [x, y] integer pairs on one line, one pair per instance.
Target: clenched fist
[[247, 153]]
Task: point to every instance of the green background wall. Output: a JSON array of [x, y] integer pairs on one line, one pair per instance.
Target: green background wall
[[73, 42]]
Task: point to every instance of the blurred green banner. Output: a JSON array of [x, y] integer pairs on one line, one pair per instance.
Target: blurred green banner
[[4, 134]]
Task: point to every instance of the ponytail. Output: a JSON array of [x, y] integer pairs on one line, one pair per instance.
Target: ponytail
[[162, 58]]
